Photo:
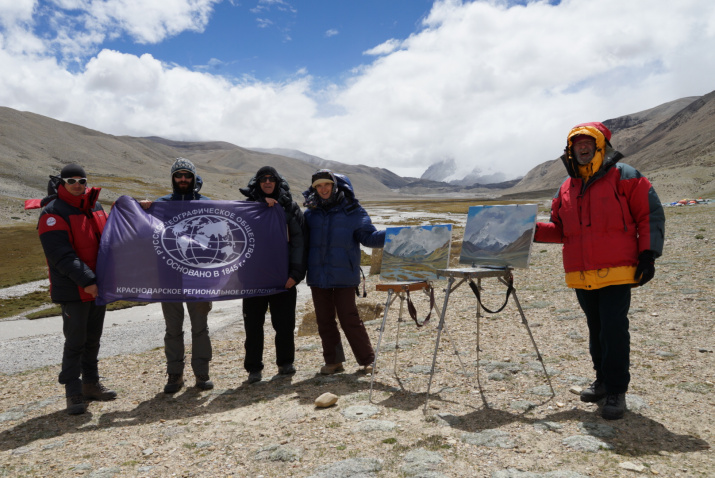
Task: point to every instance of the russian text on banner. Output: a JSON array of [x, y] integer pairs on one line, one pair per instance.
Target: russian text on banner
[[187, 251]]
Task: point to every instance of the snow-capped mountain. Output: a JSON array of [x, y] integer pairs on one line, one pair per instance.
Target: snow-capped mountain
[[484, 239]]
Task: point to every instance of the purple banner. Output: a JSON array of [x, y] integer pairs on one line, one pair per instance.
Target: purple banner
[[192, 251]]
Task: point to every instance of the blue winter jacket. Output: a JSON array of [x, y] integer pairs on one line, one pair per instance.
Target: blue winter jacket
[[335, 235]]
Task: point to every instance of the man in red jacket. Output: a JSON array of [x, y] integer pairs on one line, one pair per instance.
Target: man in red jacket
[[612, 226], [70, 228]]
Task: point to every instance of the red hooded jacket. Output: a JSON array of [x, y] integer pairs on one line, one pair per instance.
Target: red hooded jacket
[[70, 229], [607, 220]]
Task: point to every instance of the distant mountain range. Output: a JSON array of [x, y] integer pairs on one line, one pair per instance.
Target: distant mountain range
[[446, 171], [673, 144]]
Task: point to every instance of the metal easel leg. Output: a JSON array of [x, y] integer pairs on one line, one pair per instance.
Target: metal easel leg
[[439, 334], [456, 351], [399, 324], [379, 340], [526, 324], [479, 348]]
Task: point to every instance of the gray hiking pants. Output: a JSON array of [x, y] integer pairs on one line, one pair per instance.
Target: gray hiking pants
[[174, 338]]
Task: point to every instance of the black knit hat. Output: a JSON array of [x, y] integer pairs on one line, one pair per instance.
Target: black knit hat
[[72, 170]]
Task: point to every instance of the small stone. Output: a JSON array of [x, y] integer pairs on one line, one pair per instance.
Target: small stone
[[627, 465], [326, 400], [147, 451], [575, 390]]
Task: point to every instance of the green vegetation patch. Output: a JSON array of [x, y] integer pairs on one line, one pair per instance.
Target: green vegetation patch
[[41, 298], [23, 257], [18, 305]]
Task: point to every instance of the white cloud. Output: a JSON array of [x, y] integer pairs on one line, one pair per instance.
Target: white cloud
[[150, 22], [13, 11], [384, 48], [490, 86], [331, 33]]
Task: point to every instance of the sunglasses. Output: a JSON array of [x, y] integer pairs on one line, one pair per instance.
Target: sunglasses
[[267, 179], [71, 181], [183, 175]]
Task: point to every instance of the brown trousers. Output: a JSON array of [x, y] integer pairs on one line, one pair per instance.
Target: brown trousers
[[341, 300]]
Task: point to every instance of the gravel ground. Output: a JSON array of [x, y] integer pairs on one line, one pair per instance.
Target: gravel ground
[[506, 424]]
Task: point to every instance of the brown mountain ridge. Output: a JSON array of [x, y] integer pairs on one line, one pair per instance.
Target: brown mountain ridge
[[673, 144]]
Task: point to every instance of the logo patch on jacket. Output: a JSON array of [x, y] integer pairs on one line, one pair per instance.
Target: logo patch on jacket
[[51, 221]]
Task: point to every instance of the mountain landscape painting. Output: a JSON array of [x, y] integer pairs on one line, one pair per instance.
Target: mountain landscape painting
[[415, 253], [499, 236]]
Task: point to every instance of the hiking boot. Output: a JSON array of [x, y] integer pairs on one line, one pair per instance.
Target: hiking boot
[[288, 369], [203, 382], [174, 383], [97, 391], [595, 392], [365, 370], [76, 405], [615, 406], [331, 368], [254, 377]]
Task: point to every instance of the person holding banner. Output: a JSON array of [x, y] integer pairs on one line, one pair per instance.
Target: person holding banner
[[70, 227], [271, 188], [186, 186], [612, 226], [337, 225]]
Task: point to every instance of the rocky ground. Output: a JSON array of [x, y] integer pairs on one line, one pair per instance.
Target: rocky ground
[[509, 426]]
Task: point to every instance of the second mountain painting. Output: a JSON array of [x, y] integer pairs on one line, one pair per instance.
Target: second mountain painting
[[499, 236]]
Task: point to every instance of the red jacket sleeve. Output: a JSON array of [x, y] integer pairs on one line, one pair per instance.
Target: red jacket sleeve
[[551, 231]]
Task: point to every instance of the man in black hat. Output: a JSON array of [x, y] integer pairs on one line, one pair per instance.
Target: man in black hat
[[186, 185], [70, 227], [269, 187]]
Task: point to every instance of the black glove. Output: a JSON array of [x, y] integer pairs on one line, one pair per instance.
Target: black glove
[[645, 270]]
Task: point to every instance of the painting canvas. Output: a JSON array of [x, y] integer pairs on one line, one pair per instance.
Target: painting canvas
[[415, 253], [499, 236]]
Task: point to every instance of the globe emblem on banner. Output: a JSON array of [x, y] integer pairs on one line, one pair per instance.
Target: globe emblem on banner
[[205, 242]]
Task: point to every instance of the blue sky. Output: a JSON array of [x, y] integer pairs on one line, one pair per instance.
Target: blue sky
[[491, 84], [273, 41]]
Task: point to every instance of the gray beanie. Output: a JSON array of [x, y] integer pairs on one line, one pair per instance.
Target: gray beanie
[[183, 164]]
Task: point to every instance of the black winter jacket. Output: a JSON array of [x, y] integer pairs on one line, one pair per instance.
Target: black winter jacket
[[297, 230]]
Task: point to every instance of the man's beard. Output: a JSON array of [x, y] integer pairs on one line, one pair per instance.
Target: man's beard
[[184, 188]]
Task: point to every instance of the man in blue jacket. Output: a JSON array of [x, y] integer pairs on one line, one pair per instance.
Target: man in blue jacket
[[186, 186]]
